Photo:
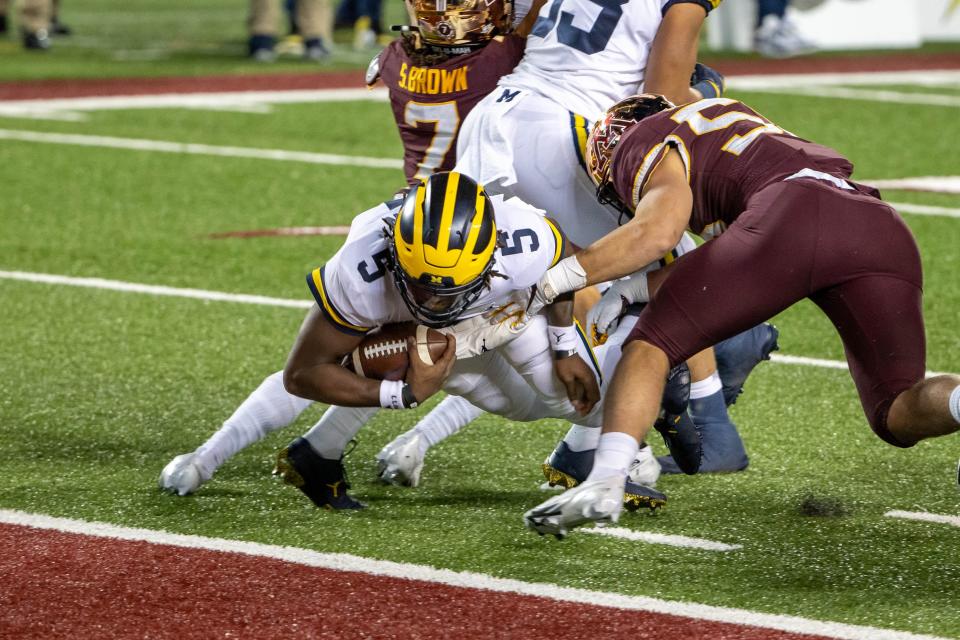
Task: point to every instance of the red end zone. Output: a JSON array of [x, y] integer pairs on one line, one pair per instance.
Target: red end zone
[[55, 584]]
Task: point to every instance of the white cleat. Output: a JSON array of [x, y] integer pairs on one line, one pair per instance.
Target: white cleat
[[182, 475], [401, 461], [645, 469], [598, 501]]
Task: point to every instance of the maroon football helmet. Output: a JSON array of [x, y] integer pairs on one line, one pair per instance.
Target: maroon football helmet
[[605, 136], [460, 23]]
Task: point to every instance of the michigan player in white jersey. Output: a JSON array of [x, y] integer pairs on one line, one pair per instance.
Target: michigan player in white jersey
[[526, 138], [445, 254]]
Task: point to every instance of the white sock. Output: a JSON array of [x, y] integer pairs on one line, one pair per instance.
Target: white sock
[[265, 410], [955, 403], [580, 438], [336, 428], [706, 387], [447, 418], [615, 454]]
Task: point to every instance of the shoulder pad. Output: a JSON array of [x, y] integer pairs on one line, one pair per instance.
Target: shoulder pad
[[373, 71]]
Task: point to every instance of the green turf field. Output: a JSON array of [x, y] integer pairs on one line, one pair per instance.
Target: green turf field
[[100, 389]]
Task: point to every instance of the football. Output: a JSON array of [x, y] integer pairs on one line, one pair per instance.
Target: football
[[383, 355]]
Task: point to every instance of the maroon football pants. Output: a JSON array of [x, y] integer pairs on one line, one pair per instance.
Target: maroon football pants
[[848, 252]]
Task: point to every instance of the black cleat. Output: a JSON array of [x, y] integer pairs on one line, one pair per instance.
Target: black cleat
[[322, 480], [682, 439], [676, 393]]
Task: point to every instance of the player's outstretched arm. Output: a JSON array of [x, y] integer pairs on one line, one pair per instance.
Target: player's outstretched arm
[[674, 54], [313, 368], [661, 217]]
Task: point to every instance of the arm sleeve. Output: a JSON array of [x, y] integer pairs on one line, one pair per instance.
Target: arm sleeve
[[708, 5]]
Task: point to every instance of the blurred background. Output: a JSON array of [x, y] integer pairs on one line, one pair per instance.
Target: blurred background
[[104, 38]]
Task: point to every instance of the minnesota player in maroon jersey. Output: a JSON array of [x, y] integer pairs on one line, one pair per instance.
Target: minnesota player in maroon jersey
[[439, 70], [786, 223]]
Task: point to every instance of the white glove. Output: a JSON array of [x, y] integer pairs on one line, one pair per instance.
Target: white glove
[[486, 332], [566, 275], [603, 317]]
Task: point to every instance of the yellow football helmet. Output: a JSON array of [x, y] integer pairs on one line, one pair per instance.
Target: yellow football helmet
[[442, 247], [460, 23], [605, 136]]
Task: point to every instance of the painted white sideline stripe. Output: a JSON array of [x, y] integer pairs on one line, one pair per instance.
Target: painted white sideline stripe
[[346, 562], [825, 364], [790, 80], [876, 95], [220, 296], [248, 101], [662, 538], [924, 517], [259, 101], [164, 146], [154, 290], [935, 184], [925, 210]]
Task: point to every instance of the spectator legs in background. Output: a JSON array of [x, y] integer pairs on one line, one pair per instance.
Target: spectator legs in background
[[315, 20], [57, 28], [35, 24], [262, 22], [776, 35]]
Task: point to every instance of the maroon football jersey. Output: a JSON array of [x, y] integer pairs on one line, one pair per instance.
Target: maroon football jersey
[[730, 152], [429, 103]]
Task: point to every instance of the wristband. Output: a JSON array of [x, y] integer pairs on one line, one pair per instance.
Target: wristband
[[563, 338], [409, 400], [391, 394], [562, 355]]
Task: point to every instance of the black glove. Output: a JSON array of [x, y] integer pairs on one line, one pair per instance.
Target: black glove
[[709, 82]]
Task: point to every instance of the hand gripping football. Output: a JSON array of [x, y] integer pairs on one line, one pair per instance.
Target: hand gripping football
[[383, 355]]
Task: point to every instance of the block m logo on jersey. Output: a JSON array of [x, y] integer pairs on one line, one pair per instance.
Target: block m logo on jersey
[[508, 96]]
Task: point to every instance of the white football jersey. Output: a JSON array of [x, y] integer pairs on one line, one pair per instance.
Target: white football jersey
[[355, 288], [588, 54]]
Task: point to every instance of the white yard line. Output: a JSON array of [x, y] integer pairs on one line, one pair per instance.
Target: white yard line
[[154, 290], [823, 363], [163, 146], [925, 210], [934, 184], [939, 184], [662, 538], [345, 562], [870, 95], [220, 296], [757, 82], [821, 84], [924, 517], [255, 101]]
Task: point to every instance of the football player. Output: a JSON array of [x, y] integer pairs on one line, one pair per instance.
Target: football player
[[435, 75], [777, 211], [439, 70], [526, 139], [444, 254]]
